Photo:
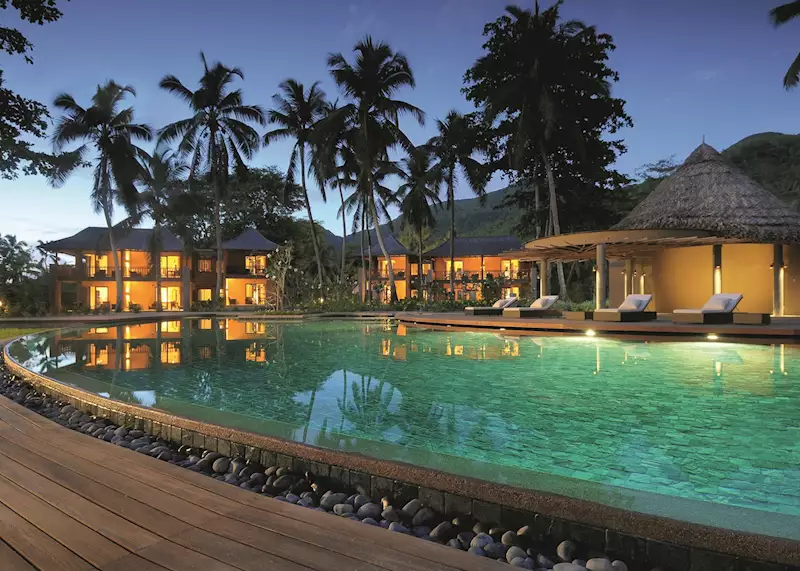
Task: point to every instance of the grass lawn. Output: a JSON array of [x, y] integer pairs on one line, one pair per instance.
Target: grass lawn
[[7, 333]]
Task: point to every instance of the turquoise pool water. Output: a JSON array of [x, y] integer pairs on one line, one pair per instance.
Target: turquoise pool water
[[703, 431]]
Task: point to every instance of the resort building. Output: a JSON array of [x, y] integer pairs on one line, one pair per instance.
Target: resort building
[[479, 263], [90, 281], [705, 229]]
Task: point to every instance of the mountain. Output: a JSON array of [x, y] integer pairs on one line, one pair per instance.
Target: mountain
[[771, 159]]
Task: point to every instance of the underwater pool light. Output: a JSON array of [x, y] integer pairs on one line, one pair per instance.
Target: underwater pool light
[[590, 333], [712, 336]]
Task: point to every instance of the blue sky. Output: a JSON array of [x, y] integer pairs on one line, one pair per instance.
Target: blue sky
[[688, 69]]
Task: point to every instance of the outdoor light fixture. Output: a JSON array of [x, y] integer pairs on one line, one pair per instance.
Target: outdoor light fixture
[[590, 333], [712, 336]]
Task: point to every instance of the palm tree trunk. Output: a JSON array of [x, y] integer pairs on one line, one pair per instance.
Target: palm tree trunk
[[218, 235], [551, 183], [392, 290], [419, 263], [157, 263], [537, 205], [115, 254], [451, 199], [308, 210], [344, 232], [365, 277]]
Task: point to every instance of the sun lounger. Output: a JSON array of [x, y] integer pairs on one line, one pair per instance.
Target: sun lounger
[[542, 307], [717, 310], [496, 309], [632, 309]]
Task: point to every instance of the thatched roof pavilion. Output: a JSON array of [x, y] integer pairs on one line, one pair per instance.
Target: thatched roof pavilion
[[708, 193], [705, 203]]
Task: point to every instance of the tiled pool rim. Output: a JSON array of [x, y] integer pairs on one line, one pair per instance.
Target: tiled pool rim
[[680, 546]]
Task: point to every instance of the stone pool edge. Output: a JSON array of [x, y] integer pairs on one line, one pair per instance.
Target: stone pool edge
[[609, 528]]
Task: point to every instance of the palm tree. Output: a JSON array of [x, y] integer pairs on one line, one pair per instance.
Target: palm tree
[[109, 132], [163, 179], [377, 74], [780, 15], [453, 147], [417, 194], [298, 113], [218, 136]]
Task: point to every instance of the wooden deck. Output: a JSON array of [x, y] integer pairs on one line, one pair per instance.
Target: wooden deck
[[69, 502], [784, 328]]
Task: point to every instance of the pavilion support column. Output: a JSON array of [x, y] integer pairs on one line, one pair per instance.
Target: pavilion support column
[[544, 288], [777, 280], [601, 289], [717, 275], [534, 281], [628, 277]]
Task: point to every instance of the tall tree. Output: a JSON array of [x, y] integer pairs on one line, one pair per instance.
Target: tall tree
[[23, 119], [297, 112], [107, 132], [370, 83], [544, 84], [218, 136], [164, 192], [780, 15], [454, 146], [418, 195]]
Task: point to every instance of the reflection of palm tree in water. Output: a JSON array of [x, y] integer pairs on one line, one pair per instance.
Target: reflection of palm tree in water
[[438, 425], [368, 410]]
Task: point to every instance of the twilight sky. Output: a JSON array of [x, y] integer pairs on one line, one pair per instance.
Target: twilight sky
[[688, 68]]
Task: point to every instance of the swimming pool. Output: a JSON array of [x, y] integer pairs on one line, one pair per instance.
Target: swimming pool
[[693, 430]]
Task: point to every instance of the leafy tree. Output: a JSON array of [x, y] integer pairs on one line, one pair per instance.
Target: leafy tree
[[22, 291], [453, 147], [107, 136], [781, 15], [418, 195], [22, 118], [218, 136], [297, 113], [543, 84], [369, 83]]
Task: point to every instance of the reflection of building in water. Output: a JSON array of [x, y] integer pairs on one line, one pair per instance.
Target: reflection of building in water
[[249, 329], [256, 352], [482, 351], [171, 352]]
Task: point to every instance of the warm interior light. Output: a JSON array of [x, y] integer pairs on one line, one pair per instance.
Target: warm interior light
[[712, 336], [717, 280]]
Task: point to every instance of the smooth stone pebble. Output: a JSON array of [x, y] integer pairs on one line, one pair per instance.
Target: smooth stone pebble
[[619, 565], [542, 561], [390, 514], [421, 530], [496, 550], [581, 562], [424, 516], [211, 456], [477, 551], [454, 543], [510, 538], [370, 510], [221, 465], [568, 567], [443, 532], [524, 562], [329, 500], [165, 455], [515, 552], [136, 433], [292, 498], [369, 521], [283, 482], [385, 523], [342, 509], [412, 507], [394, 526], [566, 550], [465, 539], [258, 478], [479, 528], [351, 499], [231, 479], [361, 500], [599, 564], [481, 540]]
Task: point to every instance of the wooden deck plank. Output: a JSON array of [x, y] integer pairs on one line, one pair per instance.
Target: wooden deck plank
[[40, 549], [388, 550], [12, 561]]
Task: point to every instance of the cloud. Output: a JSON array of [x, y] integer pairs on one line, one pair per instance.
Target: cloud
[[359, 22], [706, 74]]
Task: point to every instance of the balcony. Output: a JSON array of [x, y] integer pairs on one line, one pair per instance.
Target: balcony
[[384, 275], [170, 273], [252, 271]]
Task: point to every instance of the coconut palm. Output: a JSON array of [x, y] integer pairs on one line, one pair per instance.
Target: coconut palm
[[297, 113], [377, 73], [106, 131], [218, 136], [780, 15], [453, 147], [418, 195], [164, 182]]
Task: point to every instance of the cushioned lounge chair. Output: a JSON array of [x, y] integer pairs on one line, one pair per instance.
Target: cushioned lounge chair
[[496, 309], [631, 309], [542, 307], [717, 310]]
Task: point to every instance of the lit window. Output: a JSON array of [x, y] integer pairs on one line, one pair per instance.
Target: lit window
[[204, 294], [255, 264], [253, 327], [98, 330], [204, 353], [204, 265], [170, 353], [458, 267], [170, 266], [255, 352], [205, 324], [170, 326], [255, 294]]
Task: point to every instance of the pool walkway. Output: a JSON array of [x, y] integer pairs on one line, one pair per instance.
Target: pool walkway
[[69, 502], [781, 327]]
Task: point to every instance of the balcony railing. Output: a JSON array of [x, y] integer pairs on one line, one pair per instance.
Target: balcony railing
[[170, 272], [384, 275], [242, 271]]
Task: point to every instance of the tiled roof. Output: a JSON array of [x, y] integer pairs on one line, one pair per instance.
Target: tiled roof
[[251, 240], [95, 239]]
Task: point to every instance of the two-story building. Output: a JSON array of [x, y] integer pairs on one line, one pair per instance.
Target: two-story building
[[478, 261], [90, 281]]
